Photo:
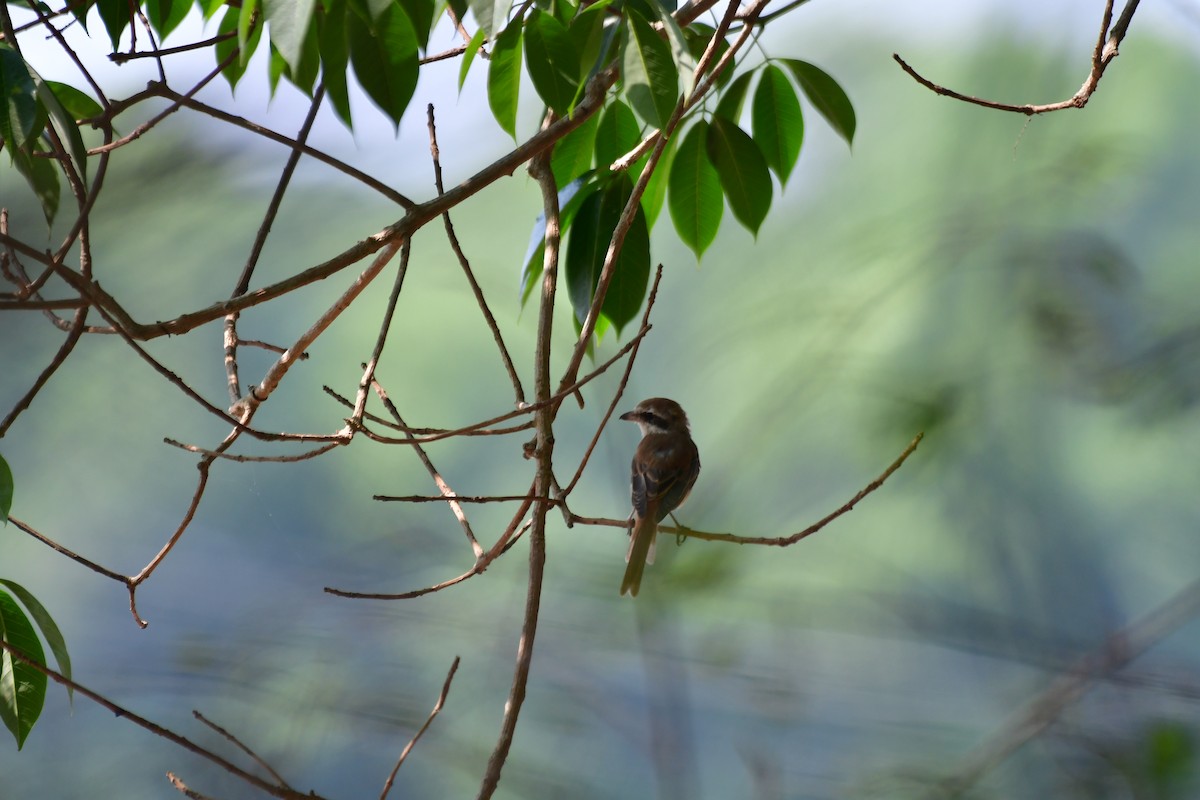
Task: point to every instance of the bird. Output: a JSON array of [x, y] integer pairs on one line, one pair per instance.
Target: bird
[[664, 470]]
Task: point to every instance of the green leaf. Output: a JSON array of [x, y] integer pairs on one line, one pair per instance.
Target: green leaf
[[247, 19], [115, 15], [591, 233], [490, 14], [165, 15], [572, 154], [826, 96], [695, 200], [304, 74], [385, 60], [6, 490], [742, 170], [22, 688], [236, 68], [570, 198], [77, 104], [18, 100], [42, 178], [459, 8], [420, 12], [685, 63], [552, 60], [504, 77], [276, 68], [80, 11], [617, 134], [334, 44], [648, 71], [63, 123], [376, 9], [49, 629], [469, 56], [591, 39], [730, 104], [778, 123], [290, 21], [211, 7]]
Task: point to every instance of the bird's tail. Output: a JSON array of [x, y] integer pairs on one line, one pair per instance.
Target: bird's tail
[[640, 553]]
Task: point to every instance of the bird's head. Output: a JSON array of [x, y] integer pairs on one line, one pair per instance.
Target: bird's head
[[658, 415]]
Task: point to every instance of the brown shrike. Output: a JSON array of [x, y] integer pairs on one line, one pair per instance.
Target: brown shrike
[[665, 467]]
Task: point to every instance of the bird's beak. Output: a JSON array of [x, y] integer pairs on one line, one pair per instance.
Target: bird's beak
[[629, 416]]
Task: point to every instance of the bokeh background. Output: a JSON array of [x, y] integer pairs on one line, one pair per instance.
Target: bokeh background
[[1024, 291]]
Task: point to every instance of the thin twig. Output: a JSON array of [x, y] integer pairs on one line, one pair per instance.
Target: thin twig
[[466, 266], [66, 551], [271, 380], [512, 534], [243, 747], [183, 788], [260, 240], [245, 459], [1106, 49], [438, 480], [620, 391], [462, 498], [319, 155], [43, 378], [121, 58], [385, 325], [776, 541], [412, 221], [156, 729], [153, 122], [441, 701], [482, 426]]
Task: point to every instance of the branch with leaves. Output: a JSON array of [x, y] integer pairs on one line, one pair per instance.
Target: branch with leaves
[[644, 108]]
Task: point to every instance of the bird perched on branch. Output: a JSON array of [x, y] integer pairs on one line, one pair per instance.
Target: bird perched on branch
[[665, 467]]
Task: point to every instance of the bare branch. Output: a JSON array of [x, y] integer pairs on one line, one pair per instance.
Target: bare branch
[[620, 391], [442, 486], [121, 58], [71, 554], [441, 701], [516, 529], [244, 748], [260, 240], [466, 267], [245, 459], [776, 541], [544, 474], [158, 730], [1105, 51]]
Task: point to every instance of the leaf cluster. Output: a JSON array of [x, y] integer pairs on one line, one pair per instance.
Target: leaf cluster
[[710, 160]]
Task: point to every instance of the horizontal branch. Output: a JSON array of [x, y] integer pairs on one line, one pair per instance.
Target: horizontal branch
[[158, 730], [1106, 49], [775, 541], [412, 221]]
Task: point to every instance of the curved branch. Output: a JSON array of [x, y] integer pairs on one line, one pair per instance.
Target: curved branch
[[158, 730], [775, 541], [1105, 51]]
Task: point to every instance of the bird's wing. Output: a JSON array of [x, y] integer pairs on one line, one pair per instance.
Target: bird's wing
[[664, 472]]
